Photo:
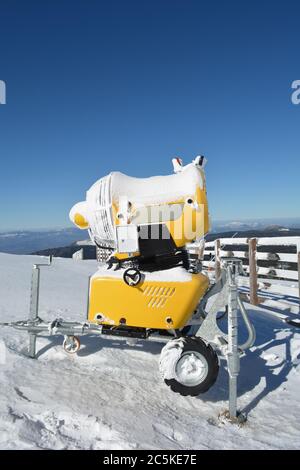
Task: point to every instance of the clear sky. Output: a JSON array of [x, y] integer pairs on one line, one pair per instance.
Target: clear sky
[[95, 86]]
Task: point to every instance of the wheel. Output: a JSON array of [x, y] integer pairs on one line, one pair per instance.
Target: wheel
[[71, 344], [189, 366]]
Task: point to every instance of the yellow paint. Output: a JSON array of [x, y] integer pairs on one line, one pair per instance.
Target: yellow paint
[[191, 225], [80, 221], [194, 221], [147, 305], [122, 256]]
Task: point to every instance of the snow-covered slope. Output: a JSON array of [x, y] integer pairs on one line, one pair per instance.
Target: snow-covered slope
[[111, 396]]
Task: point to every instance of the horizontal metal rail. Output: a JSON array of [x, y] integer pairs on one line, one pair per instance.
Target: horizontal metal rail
[[65, 328]]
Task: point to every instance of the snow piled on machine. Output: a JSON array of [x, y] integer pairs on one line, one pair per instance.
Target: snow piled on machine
[[111, 396], [156, 189], [176, 274]]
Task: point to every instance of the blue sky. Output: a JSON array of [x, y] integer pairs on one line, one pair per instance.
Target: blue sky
[[98, 86]]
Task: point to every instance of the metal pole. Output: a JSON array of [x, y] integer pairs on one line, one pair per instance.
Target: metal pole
[[217, 259], [34, 307], [253, 271], [233, 358]]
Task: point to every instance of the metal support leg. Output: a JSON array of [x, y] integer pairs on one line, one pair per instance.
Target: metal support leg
[[233, 358], [226, 293], [32, 345], [34, 307], [34, 304]]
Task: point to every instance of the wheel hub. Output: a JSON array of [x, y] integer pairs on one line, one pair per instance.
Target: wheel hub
[[191, 368]]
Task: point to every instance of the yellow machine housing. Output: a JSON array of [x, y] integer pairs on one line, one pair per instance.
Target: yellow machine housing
[[161, 303]]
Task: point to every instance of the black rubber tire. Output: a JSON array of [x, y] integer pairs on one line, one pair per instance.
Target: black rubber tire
[[197, 344]]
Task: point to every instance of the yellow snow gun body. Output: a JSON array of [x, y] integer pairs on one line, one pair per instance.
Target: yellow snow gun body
[[145, 224], [158, 302]]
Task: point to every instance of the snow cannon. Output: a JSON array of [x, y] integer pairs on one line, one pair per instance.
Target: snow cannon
[[148, 283], [146, 224], [151, 286]]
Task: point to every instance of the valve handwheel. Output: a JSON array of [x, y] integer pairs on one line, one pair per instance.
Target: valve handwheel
[[132, 277]]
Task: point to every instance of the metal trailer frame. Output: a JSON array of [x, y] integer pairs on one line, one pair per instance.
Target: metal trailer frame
[[204, 324]]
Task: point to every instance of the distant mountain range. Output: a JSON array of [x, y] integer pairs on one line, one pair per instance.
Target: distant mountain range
[[271, 231], [27, 242], [62, 240], [255, 224], [89, 251]]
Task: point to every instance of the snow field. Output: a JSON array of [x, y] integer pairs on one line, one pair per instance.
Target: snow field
[[111, 395]]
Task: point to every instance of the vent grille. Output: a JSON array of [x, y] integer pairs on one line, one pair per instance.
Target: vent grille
[[158, 295]]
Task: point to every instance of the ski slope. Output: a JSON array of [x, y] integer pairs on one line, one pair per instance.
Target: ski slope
[[111, 396]]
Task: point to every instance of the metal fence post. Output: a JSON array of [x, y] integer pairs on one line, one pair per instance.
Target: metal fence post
[[253, 271], [217, 259]]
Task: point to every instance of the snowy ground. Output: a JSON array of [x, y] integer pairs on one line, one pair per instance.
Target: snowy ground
[[278, 296], [110, 396]]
